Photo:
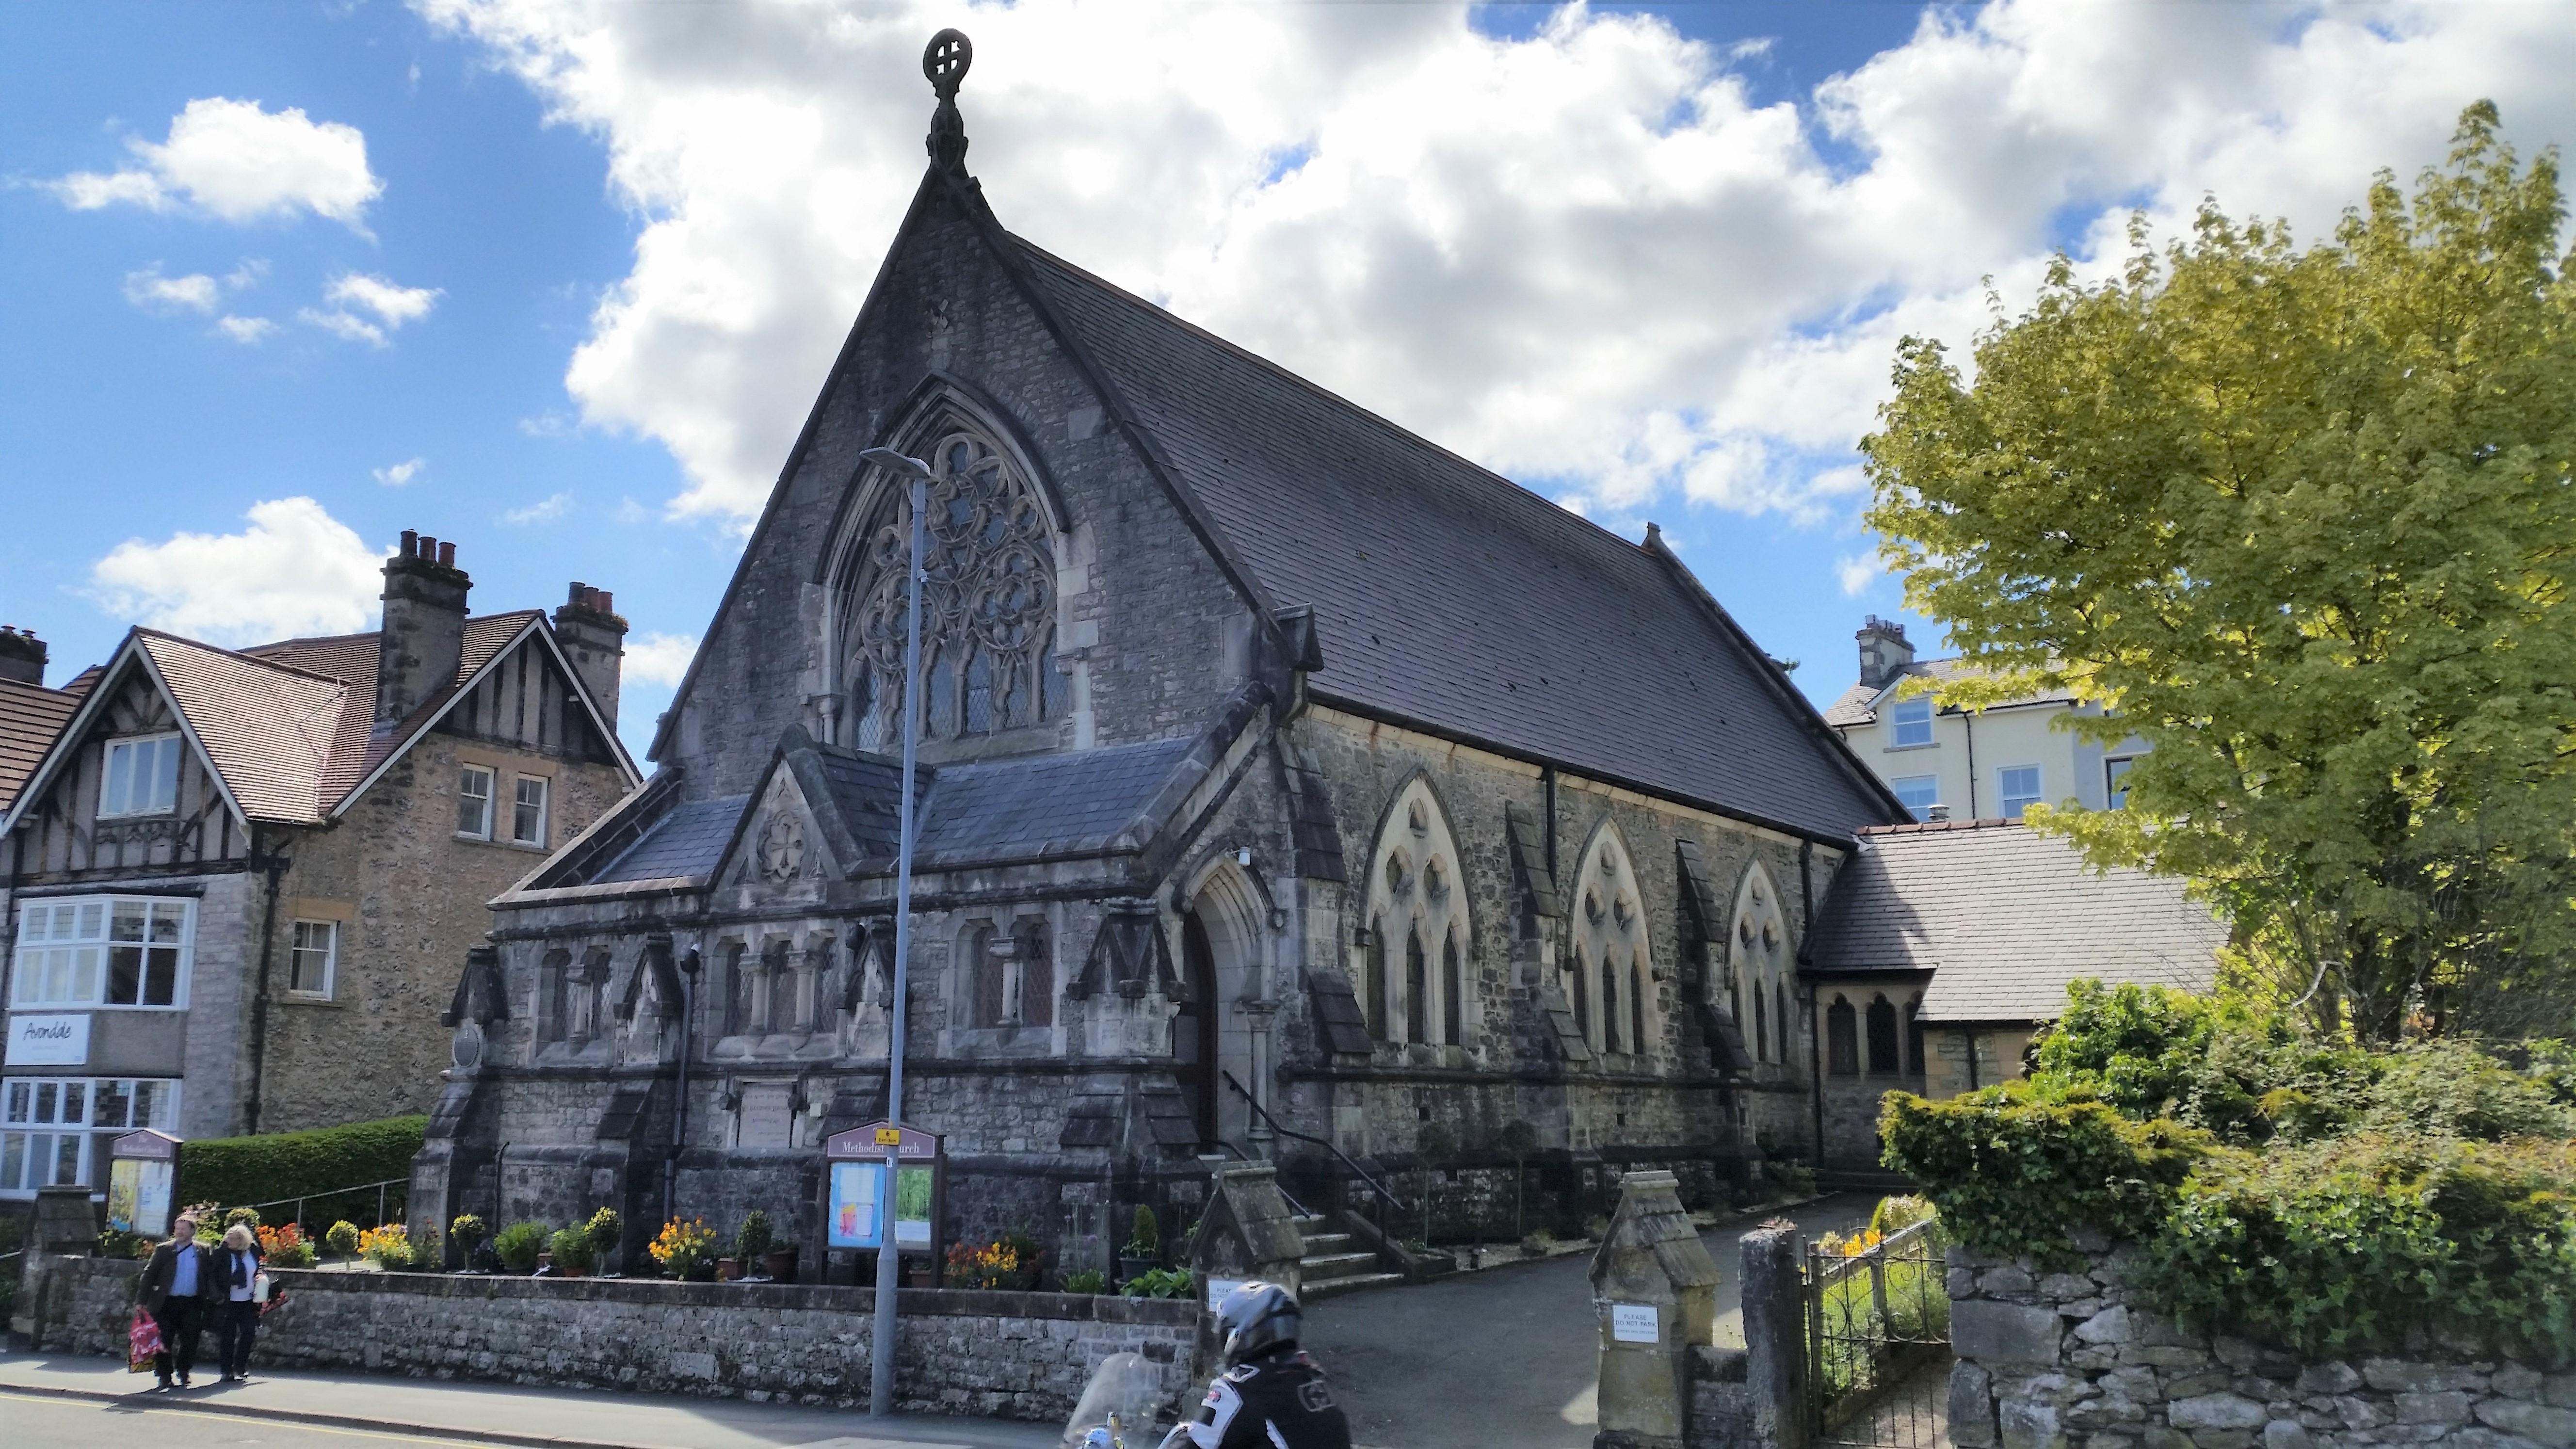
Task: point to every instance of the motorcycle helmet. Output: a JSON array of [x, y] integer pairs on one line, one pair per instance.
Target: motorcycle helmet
[[1257, 1317]]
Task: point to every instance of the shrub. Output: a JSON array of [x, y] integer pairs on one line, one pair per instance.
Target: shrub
[[682, 1247], [1144, 1234], [388, 1247], [2214, 1063], [468, 1232], [605, 1229], [518, 1244], [242, 1217], [755, 1238], [277, 1165], [1089, 1280], [342, 1239], [572, 1249], [2009, 1170], [1159, 1283]]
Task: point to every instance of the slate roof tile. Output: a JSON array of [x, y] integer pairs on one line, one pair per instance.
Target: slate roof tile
[[689, 841], [30, 716]]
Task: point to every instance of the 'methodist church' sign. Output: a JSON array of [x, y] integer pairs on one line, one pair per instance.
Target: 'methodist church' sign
[[48, 1041]]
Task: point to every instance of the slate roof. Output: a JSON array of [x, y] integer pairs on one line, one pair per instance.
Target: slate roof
[[1043, 806], [2004, 917], [687, 842], [1855, 705], [30, 716], [1449, 597]]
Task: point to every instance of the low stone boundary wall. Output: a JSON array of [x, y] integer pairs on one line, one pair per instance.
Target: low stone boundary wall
[[1011, 1355], [2051, 1359]]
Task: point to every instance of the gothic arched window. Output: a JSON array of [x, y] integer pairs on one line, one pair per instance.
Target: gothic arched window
[[1842, 1046], [1417, 988], [1036, 962], [986, 992], [1761, 1028], [1414, 899], [1758, 963], [1883, 1058], [1452, 990], [1372, 990], [1582, 996], [988, 602], [1611, 939], [1914, 1035], [1609, 1003]]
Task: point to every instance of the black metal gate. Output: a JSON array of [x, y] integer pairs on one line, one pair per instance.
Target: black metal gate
[[1878, 1339]]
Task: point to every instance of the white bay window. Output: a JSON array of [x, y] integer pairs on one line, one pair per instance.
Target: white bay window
[[104, 951]]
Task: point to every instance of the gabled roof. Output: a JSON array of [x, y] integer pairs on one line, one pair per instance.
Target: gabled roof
[[287, 728], [30, 716], [2004, 917], [1451, 598], [1859, 704]]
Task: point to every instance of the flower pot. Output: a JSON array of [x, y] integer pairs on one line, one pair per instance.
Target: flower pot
[[1132, 1266], [562, 1272], [780, 1264], [728, 1269], [922, 1277]]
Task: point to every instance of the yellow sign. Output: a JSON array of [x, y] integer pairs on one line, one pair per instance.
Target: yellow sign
[[889, 1137]]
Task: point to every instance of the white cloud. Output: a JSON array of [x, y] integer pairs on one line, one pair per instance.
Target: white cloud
[[544, 510], [246, 330], [353, 292], [342, 325], [152, 291], [1586, 257], [401, 473], [1856, 572], [232, 160], [294, 570], [659, 658]]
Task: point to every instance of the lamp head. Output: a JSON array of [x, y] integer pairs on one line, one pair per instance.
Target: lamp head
[[899, 464]]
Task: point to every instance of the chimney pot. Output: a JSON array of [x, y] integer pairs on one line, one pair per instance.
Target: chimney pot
[[423, 634], [22, 655], [410, 543], [578, 590], [447, 555], [1936, 812], [605, 599]]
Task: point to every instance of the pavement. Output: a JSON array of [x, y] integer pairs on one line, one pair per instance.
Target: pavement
[[1507, 1358], [62, 1400]]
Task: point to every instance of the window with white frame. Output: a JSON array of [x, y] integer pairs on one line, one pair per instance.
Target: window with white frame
[[1919, 792], [142, 777], [474, 802], [103, 951], [2115, 781], [315, 960], [2020, 788], [528, 811], [1910, 722], [54, 1130]]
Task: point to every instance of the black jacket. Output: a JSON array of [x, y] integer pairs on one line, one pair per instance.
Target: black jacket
[[1278, 1398], [155, 1289]]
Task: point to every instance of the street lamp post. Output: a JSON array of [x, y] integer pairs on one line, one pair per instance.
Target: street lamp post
[[889, 1260]]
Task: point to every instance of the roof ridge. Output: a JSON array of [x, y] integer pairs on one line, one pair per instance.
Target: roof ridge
[[1934, 827], [202, 645], [1309, 385]]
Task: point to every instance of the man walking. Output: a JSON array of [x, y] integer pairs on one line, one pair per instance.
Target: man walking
[[178, 1285]]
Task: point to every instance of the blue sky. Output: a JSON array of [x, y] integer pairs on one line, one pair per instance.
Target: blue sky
[[1697, 268]]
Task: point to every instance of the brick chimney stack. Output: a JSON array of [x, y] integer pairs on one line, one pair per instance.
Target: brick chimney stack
[[424, 633], [22, 655], [594, 638], [1884, 654]]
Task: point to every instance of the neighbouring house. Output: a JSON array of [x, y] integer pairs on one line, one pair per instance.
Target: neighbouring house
[[1946, 945], [1949, 763], [237, 880], [30, 714]]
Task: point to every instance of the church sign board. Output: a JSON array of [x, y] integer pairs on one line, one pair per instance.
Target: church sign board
[[142, 1182], [854, 1193]]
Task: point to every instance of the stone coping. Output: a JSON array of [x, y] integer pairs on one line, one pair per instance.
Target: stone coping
[[909, 1302]]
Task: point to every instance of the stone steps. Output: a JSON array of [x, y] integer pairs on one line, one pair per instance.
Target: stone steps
[[1332, 1265], [1335, 1287]]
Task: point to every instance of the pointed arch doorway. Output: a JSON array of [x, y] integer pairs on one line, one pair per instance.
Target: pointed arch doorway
[[1195, 1059]]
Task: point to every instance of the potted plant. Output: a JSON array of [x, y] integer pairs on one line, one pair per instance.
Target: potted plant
[[780, 1263], [519, 1245], [573, 1252], [606, 1230], [752, 1243], [469, 1233], [342, 1240], [682, 1248], [1143, 1251]]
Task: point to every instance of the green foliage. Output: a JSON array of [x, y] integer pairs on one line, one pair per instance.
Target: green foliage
[[1144, 1235], [605, 1229], [2012, 1167], [518, 1244], [342, 1239], [2303, 520], [242, 1217], [468, 1232], [1089, 1280], [572, 1249], [753, 1239], [276, 1165], [1159, 1283], [118, 1243], [2343, 1245]]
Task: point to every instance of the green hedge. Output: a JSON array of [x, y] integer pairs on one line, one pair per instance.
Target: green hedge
[[273, 1165], [2012, 1170]]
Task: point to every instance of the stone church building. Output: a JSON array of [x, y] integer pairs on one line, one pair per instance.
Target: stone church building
[[1290, 786]]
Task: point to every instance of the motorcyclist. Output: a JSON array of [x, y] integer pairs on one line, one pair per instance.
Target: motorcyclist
[[1271, 1396]]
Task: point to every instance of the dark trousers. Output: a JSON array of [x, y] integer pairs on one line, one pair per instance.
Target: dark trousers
[[236, 1323], [181, 1320]]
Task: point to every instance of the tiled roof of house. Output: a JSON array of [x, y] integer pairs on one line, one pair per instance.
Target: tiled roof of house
[[2004, 917], [1854, 705], [30, 716], [352, 658], [1451, 598]]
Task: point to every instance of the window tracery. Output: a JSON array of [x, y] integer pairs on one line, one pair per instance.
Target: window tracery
[[1614, 960], [988, 602], [1417, 915], [1758, 964]]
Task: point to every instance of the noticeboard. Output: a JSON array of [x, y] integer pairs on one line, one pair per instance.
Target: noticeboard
[[854, 1188], [142, 1180]]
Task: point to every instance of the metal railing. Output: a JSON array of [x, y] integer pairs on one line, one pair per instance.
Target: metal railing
[[381, 1194], [1285, 1130], [1878, 1335]]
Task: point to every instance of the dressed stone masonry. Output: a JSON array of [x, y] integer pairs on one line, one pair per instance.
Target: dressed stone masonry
[[1007, 1355], [2048, 1358]]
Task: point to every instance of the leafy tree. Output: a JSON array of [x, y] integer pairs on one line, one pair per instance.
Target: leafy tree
[[2304, 520]]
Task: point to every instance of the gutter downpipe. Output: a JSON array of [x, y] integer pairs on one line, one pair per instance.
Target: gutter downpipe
[[689, 968], [1970, 719], [275, 866]]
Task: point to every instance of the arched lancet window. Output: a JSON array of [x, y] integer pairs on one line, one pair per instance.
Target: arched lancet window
[[1883, 1057], [1611, 942], [1417, 988], [986, 993], [738, 973], [553, 980], [1757, 951], [1582, 996], [988, 601], [1415, 905], [1842, 1045], [1914, 1035], [1761, 1028], [1034, 954]]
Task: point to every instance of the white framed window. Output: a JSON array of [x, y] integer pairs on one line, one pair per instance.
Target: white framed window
[[474, 802], [54, 1130], [315, 961], [2115, 781], [104, 951], [1909, 722], [1919, 792], [2020, 788], [528, 811], [142, 777]]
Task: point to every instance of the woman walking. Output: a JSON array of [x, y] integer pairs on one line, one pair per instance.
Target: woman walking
[[237, 1311]]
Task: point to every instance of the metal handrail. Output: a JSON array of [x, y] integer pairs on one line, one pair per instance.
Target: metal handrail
[[302, 1198], [1285, 1130], [1293, 1205]]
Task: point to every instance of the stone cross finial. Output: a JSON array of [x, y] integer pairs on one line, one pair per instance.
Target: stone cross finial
[[945, 62]]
